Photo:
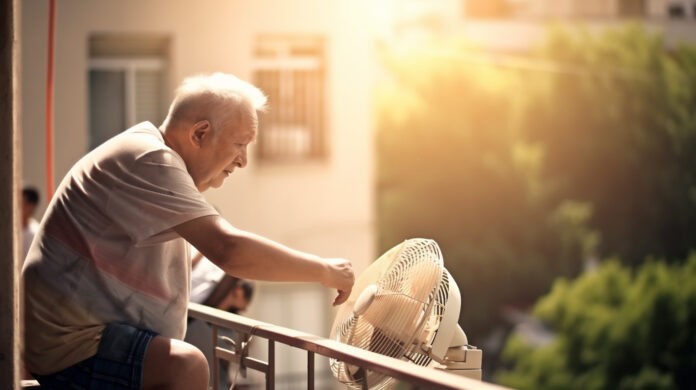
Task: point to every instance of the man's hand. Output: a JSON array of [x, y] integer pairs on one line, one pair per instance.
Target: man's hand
[[340, 276]]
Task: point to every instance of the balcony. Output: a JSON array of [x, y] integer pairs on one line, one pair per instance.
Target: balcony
[[414, 376]]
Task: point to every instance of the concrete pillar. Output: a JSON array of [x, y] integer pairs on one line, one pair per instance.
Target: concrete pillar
[[9, 202]]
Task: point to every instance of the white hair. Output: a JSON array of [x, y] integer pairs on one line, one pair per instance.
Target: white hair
[[215, 97], [225, 86]]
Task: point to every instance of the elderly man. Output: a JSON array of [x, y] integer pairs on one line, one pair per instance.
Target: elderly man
[[107, 277]]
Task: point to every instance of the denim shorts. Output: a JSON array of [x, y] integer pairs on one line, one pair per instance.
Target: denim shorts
[[118, 364]]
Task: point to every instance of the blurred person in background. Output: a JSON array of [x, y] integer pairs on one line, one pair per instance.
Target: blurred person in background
[[211, 286], [30, 201]]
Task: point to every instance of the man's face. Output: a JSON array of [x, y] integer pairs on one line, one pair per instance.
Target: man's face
[[27, 208], [221, 154]]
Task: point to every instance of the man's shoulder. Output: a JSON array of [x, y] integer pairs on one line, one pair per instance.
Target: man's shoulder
[[143, 141], [132, 153], [144, 133]]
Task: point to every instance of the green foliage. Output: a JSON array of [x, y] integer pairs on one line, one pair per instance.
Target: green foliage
[[450, 169], [619, 130], [521, 173], [615, 329]]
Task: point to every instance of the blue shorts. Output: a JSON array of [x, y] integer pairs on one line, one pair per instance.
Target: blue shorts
[[118, 364]]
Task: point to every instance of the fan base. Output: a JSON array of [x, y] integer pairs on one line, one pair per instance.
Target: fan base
[[464, 360]]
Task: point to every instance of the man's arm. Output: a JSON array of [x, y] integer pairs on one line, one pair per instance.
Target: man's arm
[[250, 256]]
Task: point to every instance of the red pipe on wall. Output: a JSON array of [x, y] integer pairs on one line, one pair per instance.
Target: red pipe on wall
[[49, 99]]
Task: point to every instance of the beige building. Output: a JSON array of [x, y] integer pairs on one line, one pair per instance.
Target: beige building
[[309, 182], [516, 26], [653, 9]]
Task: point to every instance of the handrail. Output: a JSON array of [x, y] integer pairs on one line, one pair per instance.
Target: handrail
[[398, 369]]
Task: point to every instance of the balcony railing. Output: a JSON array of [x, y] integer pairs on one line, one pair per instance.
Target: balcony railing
[[405, 372]]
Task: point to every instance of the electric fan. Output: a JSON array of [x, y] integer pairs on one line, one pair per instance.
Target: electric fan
[[406, 306]]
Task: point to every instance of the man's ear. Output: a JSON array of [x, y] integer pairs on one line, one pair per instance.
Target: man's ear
[[199, 131]]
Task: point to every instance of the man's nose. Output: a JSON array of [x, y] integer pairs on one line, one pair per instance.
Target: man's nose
[[242, 159]]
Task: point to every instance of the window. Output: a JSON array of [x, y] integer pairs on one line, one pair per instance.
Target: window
[[126, 83], [676, 11], [290, 70], [632, 8]]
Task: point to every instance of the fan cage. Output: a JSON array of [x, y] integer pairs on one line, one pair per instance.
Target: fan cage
[[441, 297], [396, 281]]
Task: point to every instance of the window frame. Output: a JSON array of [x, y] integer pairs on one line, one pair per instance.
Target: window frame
[[130, 66], [288, 55]]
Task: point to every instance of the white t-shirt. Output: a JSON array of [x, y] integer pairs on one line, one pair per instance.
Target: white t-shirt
[[204, 277], [106, 251], [28, 235]]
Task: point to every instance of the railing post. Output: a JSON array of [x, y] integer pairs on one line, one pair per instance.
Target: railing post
[[270, 375], [310, 370], [215, 362]]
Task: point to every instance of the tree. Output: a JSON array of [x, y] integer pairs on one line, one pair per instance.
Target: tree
[[521, 173], [618, 125], [451, 168], [615, 329]]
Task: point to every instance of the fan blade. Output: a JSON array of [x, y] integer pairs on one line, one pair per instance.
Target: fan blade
[[422, 279], [415, 277], [370, 276], [397, 316]]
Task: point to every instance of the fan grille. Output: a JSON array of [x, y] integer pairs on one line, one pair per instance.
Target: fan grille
[[405, 312]]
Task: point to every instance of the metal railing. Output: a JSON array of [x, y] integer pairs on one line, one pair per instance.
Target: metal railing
[[417, 376]]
